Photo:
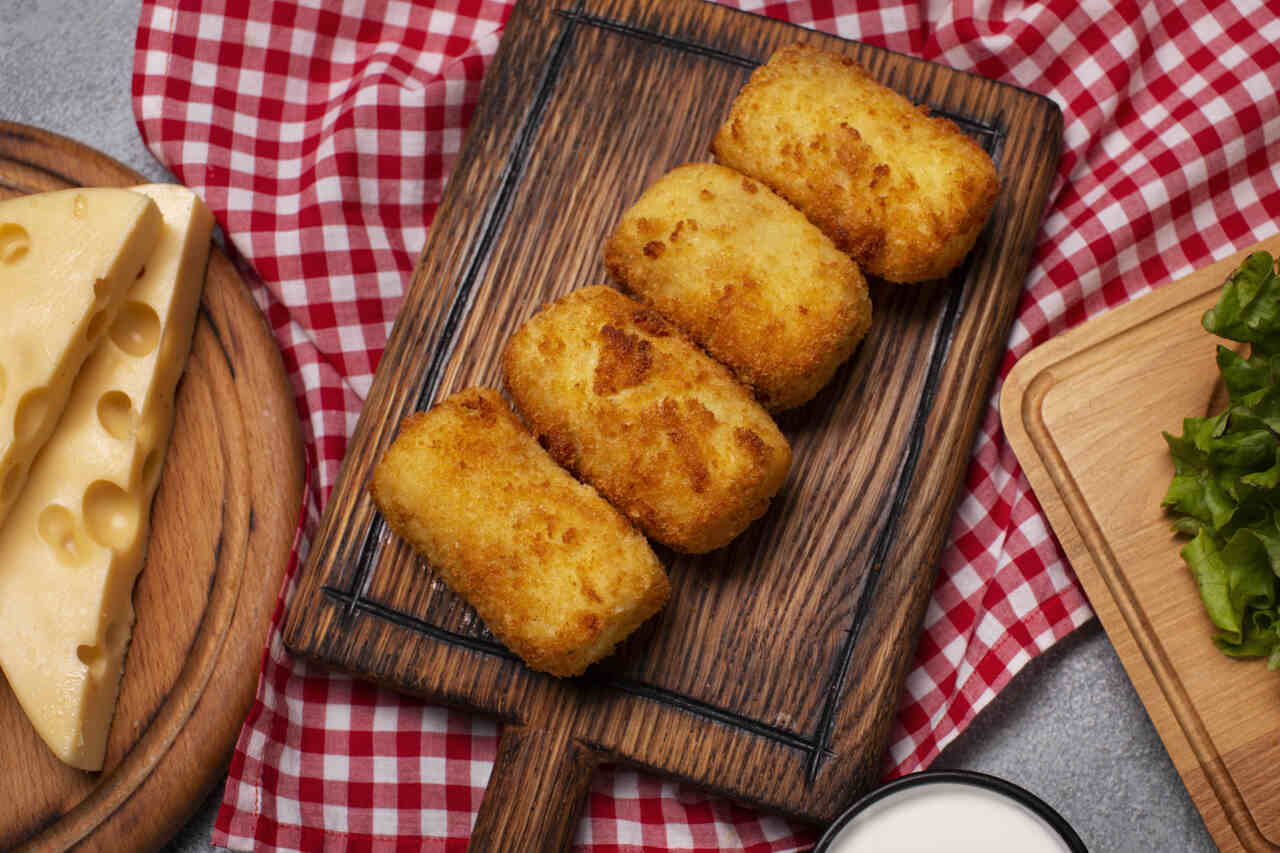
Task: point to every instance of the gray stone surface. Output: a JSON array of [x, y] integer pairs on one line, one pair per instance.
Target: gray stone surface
[[66, 66], [1070, 727]]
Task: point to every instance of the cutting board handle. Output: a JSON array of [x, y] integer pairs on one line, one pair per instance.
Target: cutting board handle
[[531, 804]]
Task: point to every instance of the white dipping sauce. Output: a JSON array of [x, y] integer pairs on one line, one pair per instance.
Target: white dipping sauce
[[947, 816]]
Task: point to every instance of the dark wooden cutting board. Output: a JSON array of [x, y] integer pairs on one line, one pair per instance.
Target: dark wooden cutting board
[[223, 524], [774, 673]]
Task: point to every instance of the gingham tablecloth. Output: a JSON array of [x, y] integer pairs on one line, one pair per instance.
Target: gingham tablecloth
[[321, 134]]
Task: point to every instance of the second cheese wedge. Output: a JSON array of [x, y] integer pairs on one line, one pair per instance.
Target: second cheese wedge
[[66, 260], [75, 540]]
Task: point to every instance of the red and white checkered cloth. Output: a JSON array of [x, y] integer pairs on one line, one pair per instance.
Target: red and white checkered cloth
[[321, 133]]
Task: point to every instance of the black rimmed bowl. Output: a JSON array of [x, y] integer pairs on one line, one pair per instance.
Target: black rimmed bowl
[[945, 809]]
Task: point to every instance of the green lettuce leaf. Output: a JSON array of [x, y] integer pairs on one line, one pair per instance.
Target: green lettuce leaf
[[1241, 375], [1225, 492], [1249, 309], [1205, 561]]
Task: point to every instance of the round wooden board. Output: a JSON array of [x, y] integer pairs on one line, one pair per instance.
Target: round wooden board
[[224, 522]]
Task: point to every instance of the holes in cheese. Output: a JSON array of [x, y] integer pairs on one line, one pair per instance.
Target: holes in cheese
[[94, 658], [115, 413], [137, 329], [111, 514], [67, 256], [14, 242], [29, 420], [57, 527], [75, 537], [97, 657]]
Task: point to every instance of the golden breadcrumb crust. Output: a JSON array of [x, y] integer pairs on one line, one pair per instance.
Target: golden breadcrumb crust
[[904, 193], [619, 396], [554, 571], [746, 276]]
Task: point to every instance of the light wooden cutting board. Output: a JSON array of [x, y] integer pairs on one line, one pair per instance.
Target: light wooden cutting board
[[1084, 412]]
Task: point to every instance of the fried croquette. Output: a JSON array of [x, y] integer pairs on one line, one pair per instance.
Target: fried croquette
[[622, 398], [904, 193], [744, 273], [555, 572]]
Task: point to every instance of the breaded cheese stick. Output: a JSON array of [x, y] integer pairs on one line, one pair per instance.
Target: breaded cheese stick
[[620, 397], [905, 194], [746, 276], [555, 572]]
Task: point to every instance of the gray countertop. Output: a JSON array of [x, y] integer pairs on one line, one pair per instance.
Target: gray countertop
[[1069, 727]]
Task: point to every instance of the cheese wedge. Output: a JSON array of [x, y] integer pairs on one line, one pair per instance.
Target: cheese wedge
[[66, 260], [74, 542]]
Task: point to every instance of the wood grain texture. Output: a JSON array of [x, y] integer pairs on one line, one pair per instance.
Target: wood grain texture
[[774, 673], [223, 526], [540, 778], [1084, 412]]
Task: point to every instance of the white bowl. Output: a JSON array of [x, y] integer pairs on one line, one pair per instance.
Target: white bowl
[[954, 811]]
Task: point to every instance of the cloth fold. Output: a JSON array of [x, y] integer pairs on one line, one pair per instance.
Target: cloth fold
[[321, 135]]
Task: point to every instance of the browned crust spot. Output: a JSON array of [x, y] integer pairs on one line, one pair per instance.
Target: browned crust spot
[[689, 434], [751, 442], [651, 322], [625, 361]]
